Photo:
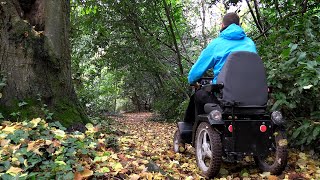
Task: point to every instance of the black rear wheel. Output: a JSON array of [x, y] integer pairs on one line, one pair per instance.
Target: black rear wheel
[[178, 145], [208, 150], [276, 162]]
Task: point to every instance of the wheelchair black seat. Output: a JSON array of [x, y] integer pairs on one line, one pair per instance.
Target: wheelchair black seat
[[244, 79]]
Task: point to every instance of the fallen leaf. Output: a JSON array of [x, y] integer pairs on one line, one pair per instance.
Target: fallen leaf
[[117, 166], [265, 174], [77, 176], [134, 177], [14, 170], [35, 122], [86, 173], [283, 142], [271, 177], [9, 129]]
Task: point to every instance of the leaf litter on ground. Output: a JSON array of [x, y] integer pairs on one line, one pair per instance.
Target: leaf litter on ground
[[144, 151]]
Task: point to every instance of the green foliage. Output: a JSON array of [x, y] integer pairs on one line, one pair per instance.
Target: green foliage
[[290, 51], [125, 60], [39, 150], [307, 134], [294, 72], [173, 102], [126, 54]]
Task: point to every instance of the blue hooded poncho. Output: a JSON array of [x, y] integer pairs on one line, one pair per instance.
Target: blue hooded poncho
[[215, 54]]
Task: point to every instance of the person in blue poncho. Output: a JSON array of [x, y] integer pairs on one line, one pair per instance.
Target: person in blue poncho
[[232, 38]]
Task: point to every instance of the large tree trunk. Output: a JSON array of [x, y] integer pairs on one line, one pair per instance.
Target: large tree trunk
[[35, 59]]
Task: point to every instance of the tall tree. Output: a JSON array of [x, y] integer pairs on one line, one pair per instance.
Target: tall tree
[[35, 58]]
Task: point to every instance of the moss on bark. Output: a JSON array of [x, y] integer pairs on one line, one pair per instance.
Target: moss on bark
[[69, 113], [63, 111]]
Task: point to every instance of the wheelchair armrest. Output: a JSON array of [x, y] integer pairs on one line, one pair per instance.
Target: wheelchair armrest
[[212, 87]]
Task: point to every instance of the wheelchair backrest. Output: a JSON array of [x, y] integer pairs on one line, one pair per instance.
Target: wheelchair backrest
[[244, 78]]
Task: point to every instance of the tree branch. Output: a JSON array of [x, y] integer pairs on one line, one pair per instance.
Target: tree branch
[[168, 14], [203, 20], [277, 8], [254, 17], [258, 13], [302, 11]]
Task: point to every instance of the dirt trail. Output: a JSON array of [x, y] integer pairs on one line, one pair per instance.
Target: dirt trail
[[146, 153]]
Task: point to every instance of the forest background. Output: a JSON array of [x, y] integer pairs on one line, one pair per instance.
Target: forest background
[[135, 56]]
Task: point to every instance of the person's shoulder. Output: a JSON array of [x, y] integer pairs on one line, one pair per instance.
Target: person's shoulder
[[215, 41], [249, 39]]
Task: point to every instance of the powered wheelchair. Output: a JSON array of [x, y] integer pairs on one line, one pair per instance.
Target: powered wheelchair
[[239, 124]]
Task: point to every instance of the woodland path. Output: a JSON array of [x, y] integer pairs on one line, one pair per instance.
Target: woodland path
[[145, 152]]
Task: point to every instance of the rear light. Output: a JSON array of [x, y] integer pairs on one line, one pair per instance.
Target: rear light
[[263, 128], [230, 128]]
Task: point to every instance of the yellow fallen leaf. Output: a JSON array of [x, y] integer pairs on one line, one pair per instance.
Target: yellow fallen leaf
[[35, 122], [59, 134], [15, 161], [159, 176], [301, 163], [86, 173], [114, 156], [25, 163], [48, 142], [34, 146], [134, 177], [4, 142], [79, 136], [283, 142], [9, 129], [189, 178], [117, 166], [181, 149], [265, 174], [14, 171], [104, 170], [303, 156], [3, 135], [31, 145]]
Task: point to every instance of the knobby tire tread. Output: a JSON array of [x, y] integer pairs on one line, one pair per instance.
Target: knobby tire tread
[[281, 153], [215, 143]]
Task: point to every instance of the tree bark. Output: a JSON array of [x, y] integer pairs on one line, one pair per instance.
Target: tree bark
[[35, 58], [203, 20], [254, 17], [168, 14]]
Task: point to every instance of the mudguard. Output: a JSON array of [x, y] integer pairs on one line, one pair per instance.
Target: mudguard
[[185, 130]]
